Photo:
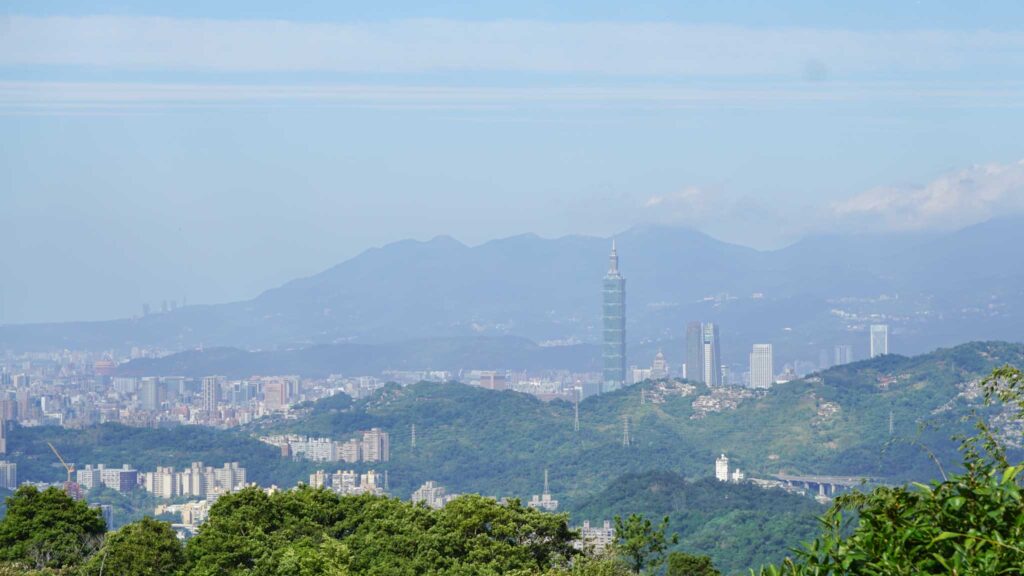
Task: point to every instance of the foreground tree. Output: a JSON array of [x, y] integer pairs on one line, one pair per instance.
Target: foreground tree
[[309, 532], [48, 529], [144, 548], [969, 523], [641, 543], [682, 564]]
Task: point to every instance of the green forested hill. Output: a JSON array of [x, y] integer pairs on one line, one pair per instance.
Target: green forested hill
[[145, 449], [498, 443], [738, 525]]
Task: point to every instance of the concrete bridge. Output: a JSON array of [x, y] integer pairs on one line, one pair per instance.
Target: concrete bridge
[[824, 485]]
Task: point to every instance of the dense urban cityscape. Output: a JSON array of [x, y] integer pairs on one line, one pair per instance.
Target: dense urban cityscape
[[511, 288]]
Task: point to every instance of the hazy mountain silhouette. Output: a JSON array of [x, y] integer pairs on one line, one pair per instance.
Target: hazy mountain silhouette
[[939, 290]]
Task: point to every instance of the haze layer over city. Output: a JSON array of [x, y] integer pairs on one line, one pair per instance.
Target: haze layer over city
[[388, 283]]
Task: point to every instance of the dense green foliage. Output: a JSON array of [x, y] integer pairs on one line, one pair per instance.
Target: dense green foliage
[[641, 543], [47, 529], [144, 548], [498, 443], [147, 448], [252, 533], [682, 564], [968, 523], [737, 525], [301, 532]]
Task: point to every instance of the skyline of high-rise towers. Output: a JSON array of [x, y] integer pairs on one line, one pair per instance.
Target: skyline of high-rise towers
[[614, 325], [703, 353]]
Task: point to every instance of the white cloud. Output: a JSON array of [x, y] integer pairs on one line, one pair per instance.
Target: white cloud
[[689, 199], [949, 202], [438, 45]]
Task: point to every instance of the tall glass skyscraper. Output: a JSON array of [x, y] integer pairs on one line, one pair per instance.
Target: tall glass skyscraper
[[712, 356], [614, 323], [695, 352]]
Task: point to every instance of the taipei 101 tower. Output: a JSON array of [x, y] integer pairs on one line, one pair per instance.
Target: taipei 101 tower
[[614, 323]]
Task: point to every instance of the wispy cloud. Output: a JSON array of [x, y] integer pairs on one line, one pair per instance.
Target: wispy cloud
[[42, 97], [432, 45], [949, 202]]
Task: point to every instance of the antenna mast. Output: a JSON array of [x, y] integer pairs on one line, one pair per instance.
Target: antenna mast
[[576, 418]]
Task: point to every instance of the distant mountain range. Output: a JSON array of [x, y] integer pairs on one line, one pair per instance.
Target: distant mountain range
[[934, 289], [451, 354]]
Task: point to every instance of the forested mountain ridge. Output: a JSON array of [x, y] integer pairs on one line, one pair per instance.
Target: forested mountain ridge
[[833, 423], [739, 526], [477, 440]]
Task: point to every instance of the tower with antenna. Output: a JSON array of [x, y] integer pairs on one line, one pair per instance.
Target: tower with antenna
[[413, 438], [613, 321], [576, 412], [625, 432]]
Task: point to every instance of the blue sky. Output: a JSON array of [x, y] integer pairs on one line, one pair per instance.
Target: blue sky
[[153, 150]]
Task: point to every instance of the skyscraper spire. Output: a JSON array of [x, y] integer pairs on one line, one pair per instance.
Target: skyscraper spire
[[614, 325], [613, 261]]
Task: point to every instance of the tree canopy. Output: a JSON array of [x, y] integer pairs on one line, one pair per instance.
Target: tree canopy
[[144, 548], [48, 529]]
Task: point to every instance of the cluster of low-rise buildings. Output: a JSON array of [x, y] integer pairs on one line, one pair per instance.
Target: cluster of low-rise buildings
[[433, 495], [165, 482], [196, 480], [373, 445], [349, 482]]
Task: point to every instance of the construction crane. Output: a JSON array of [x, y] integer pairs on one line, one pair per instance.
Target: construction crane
[[71, 487], [69, 467]]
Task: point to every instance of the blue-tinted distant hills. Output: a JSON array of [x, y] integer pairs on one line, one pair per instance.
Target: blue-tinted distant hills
[[934, 289], [451, 354]]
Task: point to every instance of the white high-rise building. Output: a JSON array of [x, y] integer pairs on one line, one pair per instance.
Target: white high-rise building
[[230, 477], [432, 494], [88, 477], [193, 480], [762, 373], [879, 339], [318, 479], [211, 394], [350, 451], [722, 468], [8, 475], [376, 446], [163, 483]]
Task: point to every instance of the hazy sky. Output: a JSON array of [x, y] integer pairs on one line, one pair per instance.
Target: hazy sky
[[155, 150]]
